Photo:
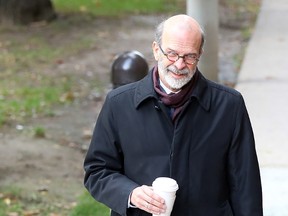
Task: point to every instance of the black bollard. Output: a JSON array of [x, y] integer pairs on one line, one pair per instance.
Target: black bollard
[[128, 67]]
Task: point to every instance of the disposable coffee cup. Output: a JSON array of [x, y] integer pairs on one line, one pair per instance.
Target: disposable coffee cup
[[166, 188]]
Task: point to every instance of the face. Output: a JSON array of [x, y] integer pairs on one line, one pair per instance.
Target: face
[[172, 77], [184, 41]]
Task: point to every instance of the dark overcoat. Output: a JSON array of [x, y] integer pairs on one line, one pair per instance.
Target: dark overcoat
[[209, 151]]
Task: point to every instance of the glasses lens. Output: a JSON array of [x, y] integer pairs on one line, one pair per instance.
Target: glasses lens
[[172, 56], [190, 59]]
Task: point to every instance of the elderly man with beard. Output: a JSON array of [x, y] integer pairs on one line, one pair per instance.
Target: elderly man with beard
[[175, 123]]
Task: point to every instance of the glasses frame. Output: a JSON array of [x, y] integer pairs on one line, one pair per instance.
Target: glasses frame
[[178, 57]]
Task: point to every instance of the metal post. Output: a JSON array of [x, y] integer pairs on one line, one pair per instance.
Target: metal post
[[206, 13], [129, 66]]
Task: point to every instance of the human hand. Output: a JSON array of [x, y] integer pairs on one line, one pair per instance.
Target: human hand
[[144, 198]]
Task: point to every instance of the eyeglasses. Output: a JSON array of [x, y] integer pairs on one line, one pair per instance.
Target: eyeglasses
[[189, 59]]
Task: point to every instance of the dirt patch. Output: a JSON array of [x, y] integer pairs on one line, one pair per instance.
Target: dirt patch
[[55, 163], [39, 165]]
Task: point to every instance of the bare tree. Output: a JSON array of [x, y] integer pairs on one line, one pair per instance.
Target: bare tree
[[26, 11]]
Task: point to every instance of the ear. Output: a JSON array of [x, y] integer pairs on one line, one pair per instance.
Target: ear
[[155, 49], [201, 52]]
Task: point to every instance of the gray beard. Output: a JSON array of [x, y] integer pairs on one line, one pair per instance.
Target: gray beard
[[172, 82]]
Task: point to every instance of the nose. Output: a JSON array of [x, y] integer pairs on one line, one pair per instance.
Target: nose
[[180, 63]]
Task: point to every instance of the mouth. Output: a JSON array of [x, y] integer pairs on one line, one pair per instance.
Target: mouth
[[177, 75]]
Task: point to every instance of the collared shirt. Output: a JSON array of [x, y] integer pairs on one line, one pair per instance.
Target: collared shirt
[[167, 90]]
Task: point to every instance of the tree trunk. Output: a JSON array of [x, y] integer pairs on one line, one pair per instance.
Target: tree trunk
[[26, 11]]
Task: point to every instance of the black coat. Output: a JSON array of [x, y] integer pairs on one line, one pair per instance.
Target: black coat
[[209, 151]]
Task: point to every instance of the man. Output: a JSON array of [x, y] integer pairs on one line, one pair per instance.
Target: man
[[177, 124]]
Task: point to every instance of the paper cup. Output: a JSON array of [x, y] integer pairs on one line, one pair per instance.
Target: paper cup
[[166, 188]]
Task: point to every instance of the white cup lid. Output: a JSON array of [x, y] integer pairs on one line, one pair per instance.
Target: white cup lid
[[165, 184]]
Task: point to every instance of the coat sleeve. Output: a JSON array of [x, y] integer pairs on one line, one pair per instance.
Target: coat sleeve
[[243, 168], [103, 164]]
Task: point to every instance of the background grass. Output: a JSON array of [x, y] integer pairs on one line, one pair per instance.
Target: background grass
[[116, 7], [89, 207], [26, 91]]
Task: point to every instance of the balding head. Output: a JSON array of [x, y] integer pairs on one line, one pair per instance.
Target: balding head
[[182, 24]]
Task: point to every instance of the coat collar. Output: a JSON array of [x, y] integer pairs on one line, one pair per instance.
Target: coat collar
[[145, 91]]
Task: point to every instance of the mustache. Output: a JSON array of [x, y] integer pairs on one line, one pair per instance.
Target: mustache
[[175, 70]]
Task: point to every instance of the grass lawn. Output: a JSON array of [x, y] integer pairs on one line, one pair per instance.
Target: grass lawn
[[25, 52], [116, 7]]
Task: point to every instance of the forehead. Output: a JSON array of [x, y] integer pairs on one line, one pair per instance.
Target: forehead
[[181, 38]]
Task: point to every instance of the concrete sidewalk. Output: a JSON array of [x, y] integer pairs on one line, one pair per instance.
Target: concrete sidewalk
[[263, 81]]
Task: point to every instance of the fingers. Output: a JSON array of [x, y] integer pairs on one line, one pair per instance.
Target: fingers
[[144, 198]]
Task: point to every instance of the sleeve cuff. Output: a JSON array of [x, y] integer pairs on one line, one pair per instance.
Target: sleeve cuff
[[130, 205]]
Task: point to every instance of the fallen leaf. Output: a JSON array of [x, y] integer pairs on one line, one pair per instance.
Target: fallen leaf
[[13, 214], [7, 201], [31, 213]]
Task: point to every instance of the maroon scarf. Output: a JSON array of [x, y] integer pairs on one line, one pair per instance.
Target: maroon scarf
[[177, 100]]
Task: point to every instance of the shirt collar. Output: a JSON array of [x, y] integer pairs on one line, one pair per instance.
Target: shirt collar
[[167, 90]]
